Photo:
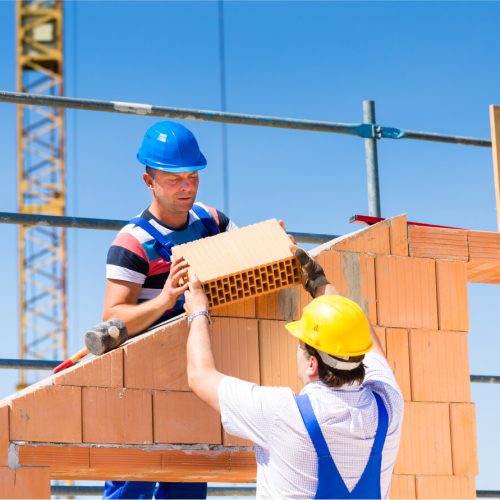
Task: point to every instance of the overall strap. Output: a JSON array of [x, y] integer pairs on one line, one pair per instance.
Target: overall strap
[[330, 482], [162, 243], [207, 220], [383, 425]]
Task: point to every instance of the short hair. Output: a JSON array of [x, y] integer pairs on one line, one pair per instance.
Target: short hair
[[150, 171], [334, 377]]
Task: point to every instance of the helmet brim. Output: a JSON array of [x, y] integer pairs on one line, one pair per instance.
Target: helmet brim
[[296, 329]]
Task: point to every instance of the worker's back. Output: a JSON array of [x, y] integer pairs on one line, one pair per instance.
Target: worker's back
[[348, 417]]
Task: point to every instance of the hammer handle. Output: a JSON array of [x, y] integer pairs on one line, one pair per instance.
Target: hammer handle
[[71, 361]]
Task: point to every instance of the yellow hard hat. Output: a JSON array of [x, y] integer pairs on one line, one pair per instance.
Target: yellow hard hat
[[335, 325]]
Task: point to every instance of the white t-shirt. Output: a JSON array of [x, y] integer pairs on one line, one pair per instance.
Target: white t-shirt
[[286, 459]]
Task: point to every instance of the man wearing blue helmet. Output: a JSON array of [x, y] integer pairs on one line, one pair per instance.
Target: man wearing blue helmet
[[144, 286]]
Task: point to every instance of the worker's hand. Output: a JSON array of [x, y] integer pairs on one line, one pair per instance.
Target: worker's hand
[[196, 299], [176, 283], [292, 238], [313, 275]]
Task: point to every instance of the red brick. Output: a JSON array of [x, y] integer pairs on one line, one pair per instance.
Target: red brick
[[398, 355], [158, 360], [402, 487], [373, 239], [181, 417], [118, 416], [278, 355], [235, 344], [406, 292], [425, 442], [97, 371], [445, 487], [438, 243], [4, 435], [49, 414], [439, 366], [399, 235], [463, 439], [27, 482], [452, 295]]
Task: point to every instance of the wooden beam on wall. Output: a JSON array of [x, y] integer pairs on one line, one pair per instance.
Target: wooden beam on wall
[[495, 148]]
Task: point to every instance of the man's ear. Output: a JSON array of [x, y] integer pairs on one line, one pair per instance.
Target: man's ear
[[148, 180], [312, 365]]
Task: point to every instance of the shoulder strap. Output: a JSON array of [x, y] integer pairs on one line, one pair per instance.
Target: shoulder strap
[[383, 424], [162, 242], [207, 220]]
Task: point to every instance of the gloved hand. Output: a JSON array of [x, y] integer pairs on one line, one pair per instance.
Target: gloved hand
[[313, 275]]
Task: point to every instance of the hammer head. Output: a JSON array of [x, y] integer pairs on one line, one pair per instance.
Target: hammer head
[[106, 336]]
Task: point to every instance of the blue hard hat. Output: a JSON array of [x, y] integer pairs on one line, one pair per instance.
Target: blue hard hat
[[171, 147]]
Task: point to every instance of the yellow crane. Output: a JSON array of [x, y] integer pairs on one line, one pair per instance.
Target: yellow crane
[[41, 182]]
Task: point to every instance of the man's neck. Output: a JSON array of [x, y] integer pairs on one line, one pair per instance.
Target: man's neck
[[172, 219]]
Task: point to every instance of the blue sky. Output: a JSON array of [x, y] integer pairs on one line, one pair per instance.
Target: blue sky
[[429, 66]]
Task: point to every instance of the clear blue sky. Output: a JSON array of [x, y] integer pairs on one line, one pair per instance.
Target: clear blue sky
[[430, 66]]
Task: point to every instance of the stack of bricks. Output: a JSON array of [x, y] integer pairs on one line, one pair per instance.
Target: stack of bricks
[[129, 414]]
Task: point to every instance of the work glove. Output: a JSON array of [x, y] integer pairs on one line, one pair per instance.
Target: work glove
[[313, 275]]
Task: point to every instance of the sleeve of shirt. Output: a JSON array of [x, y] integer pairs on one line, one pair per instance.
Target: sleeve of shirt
[[247, 409], [225, 223], [126, 260]]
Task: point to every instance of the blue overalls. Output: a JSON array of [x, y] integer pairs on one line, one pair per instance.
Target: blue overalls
[[146, 489], [330, 482]]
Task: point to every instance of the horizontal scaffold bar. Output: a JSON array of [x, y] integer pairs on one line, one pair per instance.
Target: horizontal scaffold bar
[[364, 130]]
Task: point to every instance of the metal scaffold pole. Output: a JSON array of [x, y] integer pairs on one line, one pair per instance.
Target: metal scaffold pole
[[371, 162]]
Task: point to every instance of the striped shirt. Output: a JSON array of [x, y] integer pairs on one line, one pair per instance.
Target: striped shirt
[[286, 459], [133, 256]]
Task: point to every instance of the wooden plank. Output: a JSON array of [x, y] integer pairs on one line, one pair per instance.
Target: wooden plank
[[495, 149], [483, 272]]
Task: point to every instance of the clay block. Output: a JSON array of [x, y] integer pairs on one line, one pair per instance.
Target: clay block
[[284, 304], [399, 235], [125, 459], [278, 355], [402, 487], [373, 239], [484, 246], [445, 487], [463, 439], [453, 304], [380, 333], [438, 243], [434, 356], [242, 309], [60, 459], [242, 263], [101, 371], [425, 441], [157, 360], [230, 440], [50, 414], [367, 298], [25, 482], [118, 416], [406, 292], [267, 306], [4, 435], [398, 355], [235, 344], [181, 417]]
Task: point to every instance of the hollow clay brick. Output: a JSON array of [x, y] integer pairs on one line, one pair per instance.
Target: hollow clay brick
[[97, 371], [381, 335], [286, 303], [453, 304], [242, 263], [398, 355], [241, 309], [463, 439], [181, 417], [278, 355], [454, 487], [235, 344], [373, 239], [49, 414], [4, 435], [425, 441], [125, 459], [157, 360], [406, 292], [484, 246], [438, 243], [399, 235], [118, 416], [402, 487], [60, 459], [434, 355], [32, 482]]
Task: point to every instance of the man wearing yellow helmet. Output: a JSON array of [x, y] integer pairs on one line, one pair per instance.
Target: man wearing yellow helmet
[[339, 438]]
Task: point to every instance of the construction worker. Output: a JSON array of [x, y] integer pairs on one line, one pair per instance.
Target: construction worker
[[143, 285], [339, 438]]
